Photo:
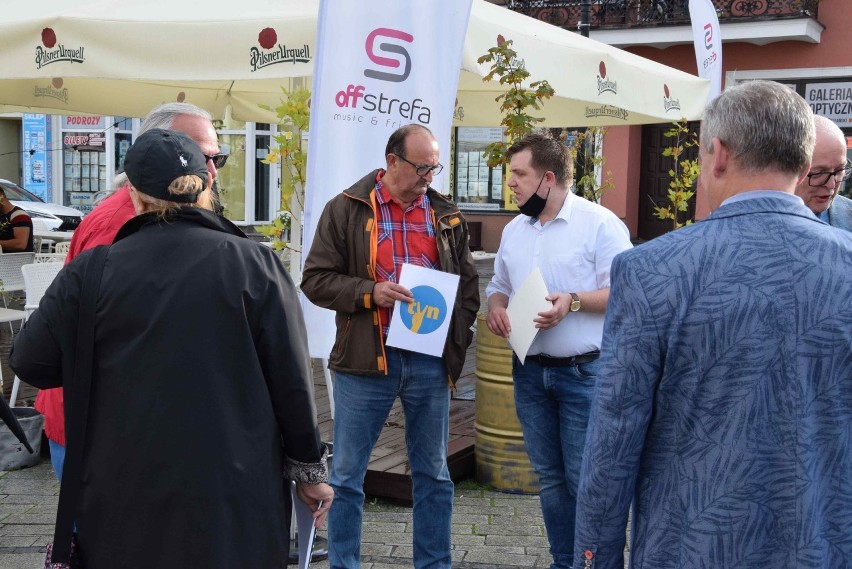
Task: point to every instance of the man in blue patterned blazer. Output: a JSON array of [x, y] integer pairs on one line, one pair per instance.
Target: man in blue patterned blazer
[[723, 409]]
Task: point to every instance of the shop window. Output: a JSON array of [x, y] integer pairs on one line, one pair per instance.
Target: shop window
[[480, 188], [84, 160], [262, 173], [123, 140], [232, 178], [475, 185], [84, 175]]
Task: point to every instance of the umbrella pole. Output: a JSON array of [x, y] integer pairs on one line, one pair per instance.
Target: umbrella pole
[[585, 11]]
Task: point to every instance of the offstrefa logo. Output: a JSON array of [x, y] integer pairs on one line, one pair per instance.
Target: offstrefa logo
[[708, 45], [427, 312], [53, 91], [669, 102], [398, 111], [605, 84], [47, 55], [388, 61], [273, 52]]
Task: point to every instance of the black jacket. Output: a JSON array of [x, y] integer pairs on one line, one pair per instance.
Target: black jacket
[[201, 368]]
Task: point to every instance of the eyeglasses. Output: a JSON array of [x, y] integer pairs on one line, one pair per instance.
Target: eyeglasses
[[423, 170], [821, 178], [219, 160]]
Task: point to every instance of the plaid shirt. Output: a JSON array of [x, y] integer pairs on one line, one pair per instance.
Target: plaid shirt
[[403, 237]]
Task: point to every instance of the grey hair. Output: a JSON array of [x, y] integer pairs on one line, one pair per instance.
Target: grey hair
[[162, 117], [764, 125]]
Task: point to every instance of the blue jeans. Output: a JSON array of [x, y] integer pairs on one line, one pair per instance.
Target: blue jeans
[[362, 405], [553, 406], [57, 458]]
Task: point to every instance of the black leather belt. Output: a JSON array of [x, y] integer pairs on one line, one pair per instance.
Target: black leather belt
[[549, 361]]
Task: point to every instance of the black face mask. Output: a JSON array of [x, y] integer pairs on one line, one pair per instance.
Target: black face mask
[[535, 204]]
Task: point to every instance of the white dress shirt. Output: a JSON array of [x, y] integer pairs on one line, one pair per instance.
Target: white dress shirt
[[574, 252]]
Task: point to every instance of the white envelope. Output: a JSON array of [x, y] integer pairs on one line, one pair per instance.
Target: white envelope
[[524, 306]]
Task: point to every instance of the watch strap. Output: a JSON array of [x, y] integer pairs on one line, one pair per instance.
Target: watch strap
[[575, 303]]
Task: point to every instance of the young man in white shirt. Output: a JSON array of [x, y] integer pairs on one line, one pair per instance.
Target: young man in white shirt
[[572, 241]]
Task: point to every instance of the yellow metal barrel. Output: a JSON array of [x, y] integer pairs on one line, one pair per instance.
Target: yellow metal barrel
[[501, 457]]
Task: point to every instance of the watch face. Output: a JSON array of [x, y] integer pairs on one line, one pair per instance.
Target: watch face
[[575, 305]]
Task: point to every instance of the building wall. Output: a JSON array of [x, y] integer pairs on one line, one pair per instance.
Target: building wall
[[831, 57], [10, 150], [491, 228], [622, 149], [834, 49]]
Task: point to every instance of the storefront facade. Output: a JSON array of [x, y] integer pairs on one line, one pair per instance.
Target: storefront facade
[[795, 42], [73, 160]]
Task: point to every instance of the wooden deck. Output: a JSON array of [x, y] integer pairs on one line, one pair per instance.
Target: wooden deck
[[388, 475]]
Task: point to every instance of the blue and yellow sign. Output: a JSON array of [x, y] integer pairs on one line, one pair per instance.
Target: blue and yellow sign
[[426, 313]]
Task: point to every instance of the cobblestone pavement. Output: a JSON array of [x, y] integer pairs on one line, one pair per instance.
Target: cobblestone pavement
[[490, 529]]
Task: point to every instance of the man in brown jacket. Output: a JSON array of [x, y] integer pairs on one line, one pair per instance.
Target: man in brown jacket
[[391, 217]]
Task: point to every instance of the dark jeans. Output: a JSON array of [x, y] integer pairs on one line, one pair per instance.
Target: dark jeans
[[553, 406]]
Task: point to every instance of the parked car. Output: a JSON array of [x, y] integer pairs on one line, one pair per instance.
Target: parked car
[[54, 217]]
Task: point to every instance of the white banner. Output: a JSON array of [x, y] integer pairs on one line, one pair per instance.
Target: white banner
[[707, 38], [376, 70]]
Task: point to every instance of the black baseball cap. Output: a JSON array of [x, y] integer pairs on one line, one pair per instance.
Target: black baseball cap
[[158, 157]]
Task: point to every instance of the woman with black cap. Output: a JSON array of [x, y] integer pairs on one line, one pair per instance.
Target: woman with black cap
[[201, 391]]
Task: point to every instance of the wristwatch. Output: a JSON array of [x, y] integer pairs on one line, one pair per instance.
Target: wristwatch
[[575, 303]]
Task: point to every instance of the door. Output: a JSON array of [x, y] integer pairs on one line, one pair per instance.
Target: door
[[654, 180]]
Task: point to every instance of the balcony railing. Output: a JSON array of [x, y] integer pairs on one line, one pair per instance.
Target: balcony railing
[[631, 13]]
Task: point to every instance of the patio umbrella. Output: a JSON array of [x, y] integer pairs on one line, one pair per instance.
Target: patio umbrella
[[113, 57]]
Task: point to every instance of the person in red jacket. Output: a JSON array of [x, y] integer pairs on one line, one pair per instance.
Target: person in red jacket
[[102, 224]]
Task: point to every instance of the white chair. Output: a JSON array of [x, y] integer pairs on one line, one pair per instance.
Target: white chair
[[9, 315], [50, 258], [10, 270], [62, 247], [42, 245], [11, 278], [37, 277]]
